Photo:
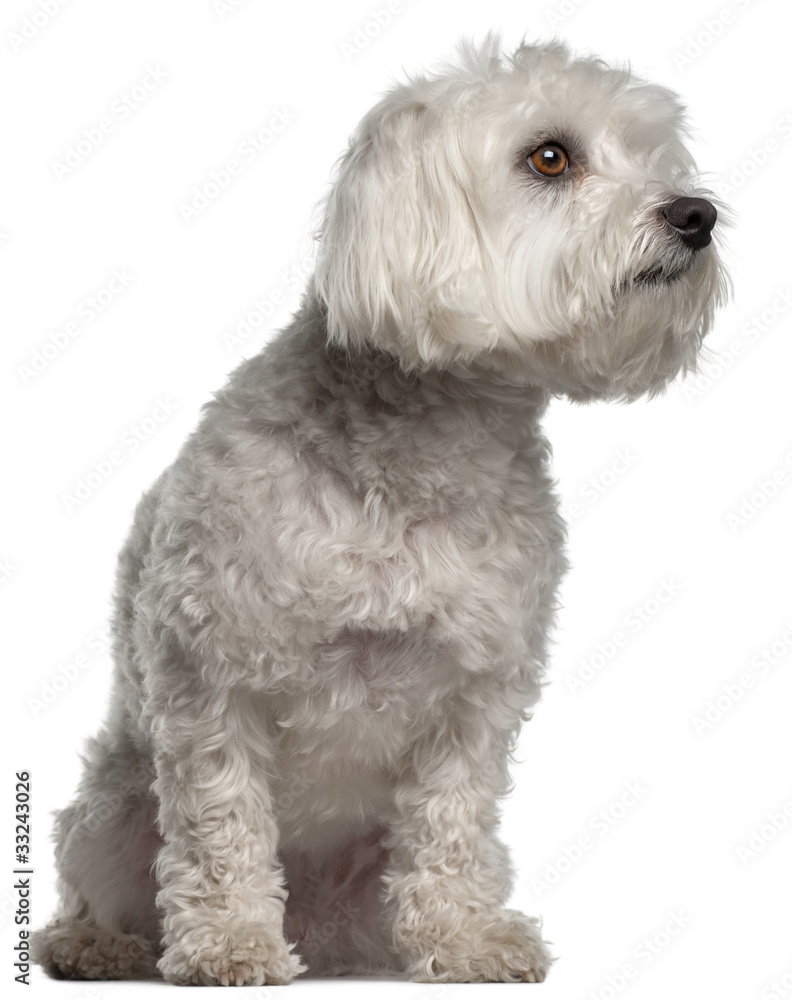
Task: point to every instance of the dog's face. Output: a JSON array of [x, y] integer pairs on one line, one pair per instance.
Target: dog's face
[[537, 215]]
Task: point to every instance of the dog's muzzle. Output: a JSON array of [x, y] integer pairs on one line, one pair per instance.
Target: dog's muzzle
[[693, 219]]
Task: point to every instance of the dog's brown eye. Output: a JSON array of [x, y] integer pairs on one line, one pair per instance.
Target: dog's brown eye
[[549, 160]]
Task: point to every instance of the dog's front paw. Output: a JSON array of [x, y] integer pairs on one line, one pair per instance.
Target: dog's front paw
[[253, 958], [502, 947]]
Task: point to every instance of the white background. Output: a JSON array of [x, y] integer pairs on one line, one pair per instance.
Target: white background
[[658, 517]]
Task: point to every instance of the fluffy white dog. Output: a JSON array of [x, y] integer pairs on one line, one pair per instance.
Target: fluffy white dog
[[332, 613]]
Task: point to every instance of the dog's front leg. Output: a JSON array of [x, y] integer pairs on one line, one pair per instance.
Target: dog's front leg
[[221, 889], [450, 874]]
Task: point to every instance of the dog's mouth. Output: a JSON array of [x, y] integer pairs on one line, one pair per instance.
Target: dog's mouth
[[658, 275]]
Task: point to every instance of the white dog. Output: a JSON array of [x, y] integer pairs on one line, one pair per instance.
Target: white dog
[[332, 613]]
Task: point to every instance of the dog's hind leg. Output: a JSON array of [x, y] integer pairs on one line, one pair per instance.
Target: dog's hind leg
[[107, 925]]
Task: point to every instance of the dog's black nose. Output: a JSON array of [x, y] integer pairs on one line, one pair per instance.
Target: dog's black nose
[[694, 220]]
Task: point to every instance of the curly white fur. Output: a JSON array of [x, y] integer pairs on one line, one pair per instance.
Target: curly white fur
[[333, 610]]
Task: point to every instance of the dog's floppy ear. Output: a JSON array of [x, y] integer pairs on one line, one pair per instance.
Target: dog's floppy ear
[[401, 255]]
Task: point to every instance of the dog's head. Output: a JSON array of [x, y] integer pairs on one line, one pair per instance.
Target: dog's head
[[535, 214]]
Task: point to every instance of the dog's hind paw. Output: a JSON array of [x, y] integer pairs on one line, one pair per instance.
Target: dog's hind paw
[[505, 947], [74, 949]]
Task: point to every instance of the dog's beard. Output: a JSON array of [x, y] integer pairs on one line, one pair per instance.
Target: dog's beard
[[663, 272], [651, 265]]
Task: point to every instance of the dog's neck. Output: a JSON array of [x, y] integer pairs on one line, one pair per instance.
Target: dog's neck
[[453, 433], [376, 381], [427, 440]]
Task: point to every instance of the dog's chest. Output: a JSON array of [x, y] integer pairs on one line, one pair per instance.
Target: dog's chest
[[385, 657], [402, 617], [332, 558], [364, 699], [364, 693]]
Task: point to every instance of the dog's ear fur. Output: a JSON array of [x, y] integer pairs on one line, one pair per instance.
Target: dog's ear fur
[[402, 260]]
